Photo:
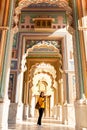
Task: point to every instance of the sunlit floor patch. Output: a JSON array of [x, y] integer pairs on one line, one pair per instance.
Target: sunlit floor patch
[[47, 124]]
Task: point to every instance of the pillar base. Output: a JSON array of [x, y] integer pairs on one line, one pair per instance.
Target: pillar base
[[12, 113], [4, 108], [55, 111], [68, 114], [81, 114], [19, 117], [25, 112], [59, 113]]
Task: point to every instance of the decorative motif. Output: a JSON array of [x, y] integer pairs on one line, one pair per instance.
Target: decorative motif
[[15, 41], [23, 63], [14, 65], [42, 5], [43, 47]]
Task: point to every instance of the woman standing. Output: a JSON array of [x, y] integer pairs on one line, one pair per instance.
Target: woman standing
[[41, 101]]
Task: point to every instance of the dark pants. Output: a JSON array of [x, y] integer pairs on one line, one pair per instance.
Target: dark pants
[[41, 110]]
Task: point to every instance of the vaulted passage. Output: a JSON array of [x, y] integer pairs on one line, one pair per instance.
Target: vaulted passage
[[43, 49]]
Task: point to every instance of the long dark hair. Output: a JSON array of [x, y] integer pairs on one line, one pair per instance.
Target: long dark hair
[[41, 94]]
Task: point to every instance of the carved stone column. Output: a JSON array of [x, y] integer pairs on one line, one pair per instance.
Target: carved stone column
[[82, 26], [19, 94], [4, 108], [26, 101], [64, 87], [78, 53], [4, 83], [20, 89], [60, 85], [79, 107], [61, 91]]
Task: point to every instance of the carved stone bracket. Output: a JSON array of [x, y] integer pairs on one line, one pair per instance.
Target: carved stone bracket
[[23, 63]]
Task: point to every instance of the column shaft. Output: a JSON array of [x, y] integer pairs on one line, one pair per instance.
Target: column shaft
[[78, 53], [7, 58]]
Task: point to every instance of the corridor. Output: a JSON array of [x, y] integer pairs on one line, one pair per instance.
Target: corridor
[[47, 124]]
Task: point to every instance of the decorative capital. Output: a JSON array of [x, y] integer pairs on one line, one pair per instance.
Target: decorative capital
[[4, 28]]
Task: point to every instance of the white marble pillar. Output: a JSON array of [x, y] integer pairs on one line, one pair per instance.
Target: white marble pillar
[[20, 88], [4, 101], [62, 95], [16, 109], [19, 96], [4, 108], [33, 106]]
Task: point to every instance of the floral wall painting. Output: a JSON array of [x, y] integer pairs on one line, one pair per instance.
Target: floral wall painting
[[13, 65]]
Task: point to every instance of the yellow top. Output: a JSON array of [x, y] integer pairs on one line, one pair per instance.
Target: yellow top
[[41, 102]]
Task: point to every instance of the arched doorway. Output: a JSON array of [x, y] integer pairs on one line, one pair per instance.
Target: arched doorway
[[38, 23], [42, 75], [52, 32]]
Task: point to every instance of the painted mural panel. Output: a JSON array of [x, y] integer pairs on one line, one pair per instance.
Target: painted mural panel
[[15, 41], [13, 65], [31, 43], [15, 47], [12, 87]]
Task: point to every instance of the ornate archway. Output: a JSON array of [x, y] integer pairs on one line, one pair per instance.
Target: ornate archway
[[40, 70]]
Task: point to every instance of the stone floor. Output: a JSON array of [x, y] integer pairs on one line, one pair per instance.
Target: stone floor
[[47, 124]]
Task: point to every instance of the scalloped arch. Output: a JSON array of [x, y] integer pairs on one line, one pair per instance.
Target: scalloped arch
[[36, 70]]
